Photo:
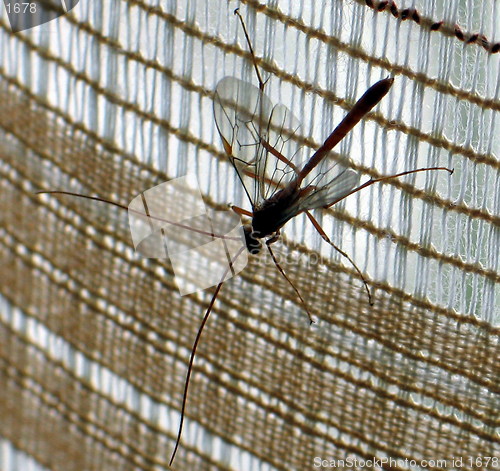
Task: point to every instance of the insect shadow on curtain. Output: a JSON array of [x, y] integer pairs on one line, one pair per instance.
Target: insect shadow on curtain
[[262, 144]]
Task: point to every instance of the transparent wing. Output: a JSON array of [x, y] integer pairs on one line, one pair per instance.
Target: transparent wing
[[258, 138], [282, 163], [331, 182]]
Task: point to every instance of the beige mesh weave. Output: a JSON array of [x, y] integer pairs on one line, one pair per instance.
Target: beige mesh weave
[[95, 340]]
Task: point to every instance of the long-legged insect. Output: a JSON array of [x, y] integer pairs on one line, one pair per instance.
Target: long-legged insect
[[257, 138]]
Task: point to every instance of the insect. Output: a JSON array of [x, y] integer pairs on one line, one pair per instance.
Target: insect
[[255, 136], [261, 143]]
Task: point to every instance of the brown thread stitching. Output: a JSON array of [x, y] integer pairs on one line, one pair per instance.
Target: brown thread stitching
[[97, 241], [113, 98], [105, 144], [271, 408], [293, 246], [250, 397], [196, 32], [472, 320], [434, 141], [395, 347], [188, 137], [367, 385], [208, 147], [420, 303], [340, 323], [95, 431], [444, 28], [274, 341], [106, 399], [361, 54], [384, 233], [189, 85], [355, 52], [348, 326], [355, 381], [380, 233], [474, 213], [427, 252]]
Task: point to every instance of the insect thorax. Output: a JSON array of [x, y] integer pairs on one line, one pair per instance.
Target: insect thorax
[[269, 217]]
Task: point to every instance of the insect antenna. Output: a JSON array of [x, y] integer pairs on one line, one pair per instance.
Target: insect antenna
[[278, 155], [262, 83], [79, 195], [193, 351]]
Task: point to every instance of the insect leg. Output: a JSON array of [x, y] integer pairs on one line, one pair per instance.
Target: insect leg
[[139, 213], [389, 177], [280, 269], [327, 239], [241, 211], [193, 352]]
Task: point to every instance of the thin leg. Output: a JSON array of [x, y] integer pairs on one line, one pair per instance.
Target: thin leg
[[327, 239], [278, 266], [241, 211], [193, 353], [139, 213], [390, 177]]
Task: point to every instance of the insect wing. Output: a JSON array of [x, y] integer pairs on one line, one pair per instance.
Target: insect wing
[[328, 186], [280, 165], [250, 127], [240, 109]]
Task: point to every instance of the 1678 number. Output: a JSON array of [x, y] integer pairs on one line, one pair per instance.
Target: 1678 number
[[21, 7]]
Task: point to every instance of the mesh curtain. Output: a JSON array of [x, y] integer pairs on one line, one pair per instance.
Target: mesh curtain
[[115, 97]]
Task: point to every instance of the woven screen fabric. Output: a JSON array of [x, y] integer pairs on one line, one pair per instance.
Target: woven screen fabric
[[114, 97]]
